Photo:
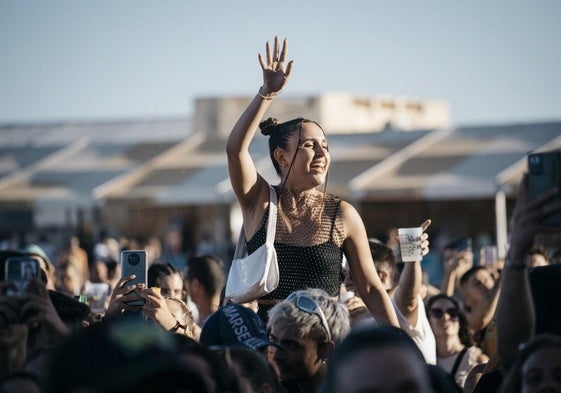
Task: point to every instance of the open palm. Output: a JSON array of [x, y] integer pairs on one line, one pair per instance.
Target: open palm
[[275, 74]]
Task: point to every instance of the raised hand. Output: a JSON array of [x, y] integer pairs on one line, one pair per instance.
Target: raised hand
[[527, 220], [156, 308], [39, 313], [121, 296], [274, 73], [425, 237]]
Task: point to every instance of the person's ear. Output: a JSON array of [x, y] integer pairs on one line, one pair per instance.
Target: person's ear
[[324, 350], [384, 276], [281, 157], [194, 286]]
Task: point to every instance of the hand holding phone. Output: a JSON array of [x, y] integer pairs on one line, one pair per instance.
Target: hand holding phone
[[19, 271], [133, 262]]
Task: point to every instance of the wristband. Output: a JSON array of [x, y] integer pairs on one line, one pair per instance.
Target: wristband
[[267, 97]]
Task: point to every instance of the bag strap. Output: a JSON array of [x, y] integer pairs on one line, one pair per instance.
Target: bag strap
[[272, 220], [241, 247], [457, 362]]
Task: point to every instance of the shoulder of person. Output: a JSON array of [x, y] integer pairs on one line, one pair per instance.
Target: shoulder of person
[[348, 210]]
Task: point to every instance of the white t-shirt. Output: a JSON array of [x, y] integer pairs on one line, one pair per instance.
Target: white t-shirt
[[421, 333]]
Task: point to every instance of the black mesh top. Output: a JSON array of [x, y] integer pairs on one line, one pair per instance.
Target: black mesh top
[[315, 266]]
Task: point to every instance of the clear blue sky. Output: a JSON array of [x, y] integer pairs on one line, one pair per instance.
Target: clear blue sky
[[494, 61]]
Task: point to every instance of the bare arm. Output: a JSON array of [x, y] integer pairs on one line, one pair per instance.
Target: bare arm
[[365, 277], [484, 312], [243, 174], [410, 282], [456, 264]]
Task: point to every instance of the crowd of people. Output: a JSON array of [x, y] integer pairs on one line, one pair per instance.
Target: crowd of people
[[348, 314]]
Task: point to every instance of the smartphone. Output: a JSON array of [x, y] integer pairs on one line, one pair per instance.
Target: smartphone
[[97, 294], [544, 174], [18, 271], [134, 262], [488, 256]]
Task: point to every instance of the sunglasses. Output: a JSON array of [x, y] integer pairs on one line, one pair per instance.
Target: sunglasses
[[438, 313], [308, 304]]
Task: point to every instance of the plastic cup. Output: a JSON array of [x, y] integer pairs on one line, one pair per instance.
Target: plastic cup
[[410, 243]]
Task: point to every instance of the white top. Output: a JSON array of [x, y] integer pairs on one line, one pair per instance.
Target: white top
[[468, 362], [421, 332]]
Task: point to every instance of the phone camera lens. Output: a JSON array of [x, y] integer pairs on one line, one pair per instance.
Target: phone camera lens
[[133, 259]]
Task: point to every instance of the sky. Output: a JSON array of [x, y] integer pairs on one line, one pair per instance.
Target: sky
[[81, 60]]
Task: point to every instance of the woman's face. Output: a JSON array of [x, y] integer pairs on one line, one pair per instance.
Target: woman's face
[[171, 286], [542, 371], [477, 287], [443, 318], [311, 157]]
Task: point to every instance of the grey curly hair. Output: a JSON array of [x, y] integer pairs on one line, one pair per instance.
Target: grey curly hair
[[306, 325]]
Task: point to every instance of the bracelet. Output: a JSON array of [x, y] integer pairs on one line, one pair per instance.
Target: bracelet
[[267, 97]]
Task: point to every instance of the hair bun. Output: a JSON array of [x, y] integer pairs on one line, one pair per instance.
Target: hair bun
[[268, 126]]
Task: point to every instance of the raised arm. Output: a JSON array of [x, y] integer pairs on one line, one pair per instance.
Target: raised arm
[[243, 174], [515, 312], [363, 272], [407, 294], [482, 314], [456, 264]]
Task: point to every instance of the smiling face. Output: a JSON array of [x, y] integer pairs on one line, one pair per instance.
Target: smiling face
[[311, 158]]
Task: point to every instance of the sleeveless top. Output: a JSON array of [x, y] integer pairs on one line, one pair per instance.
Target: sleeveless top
[[308, 244], [465, 364]]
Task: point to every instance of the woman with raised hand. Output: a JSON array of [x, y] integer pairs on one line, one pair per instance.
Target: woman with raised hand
[[314, 228]]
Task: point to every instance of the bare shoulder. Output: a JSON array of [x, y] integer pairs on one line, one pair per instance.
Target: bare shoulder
[[253, 206], [351, 219], [349, 212]]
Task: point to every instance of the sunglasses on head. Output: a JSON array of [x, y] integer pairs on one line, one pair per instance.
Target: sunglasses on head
[[438, 313], [308, 304]]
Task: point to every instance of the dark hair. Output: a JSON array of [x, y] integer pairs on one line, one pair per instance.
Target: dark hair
[[513, 381], [209, 270], [72, 312], [470, 273], [158, 270], [465, 336], [23, 375], [539, 250], [255, 368], [364, 339], [384, 258], [280, 133]]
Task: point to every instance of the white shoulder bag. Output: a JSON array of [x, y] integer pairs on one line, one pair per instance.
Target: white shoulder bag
[[255, 275]]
